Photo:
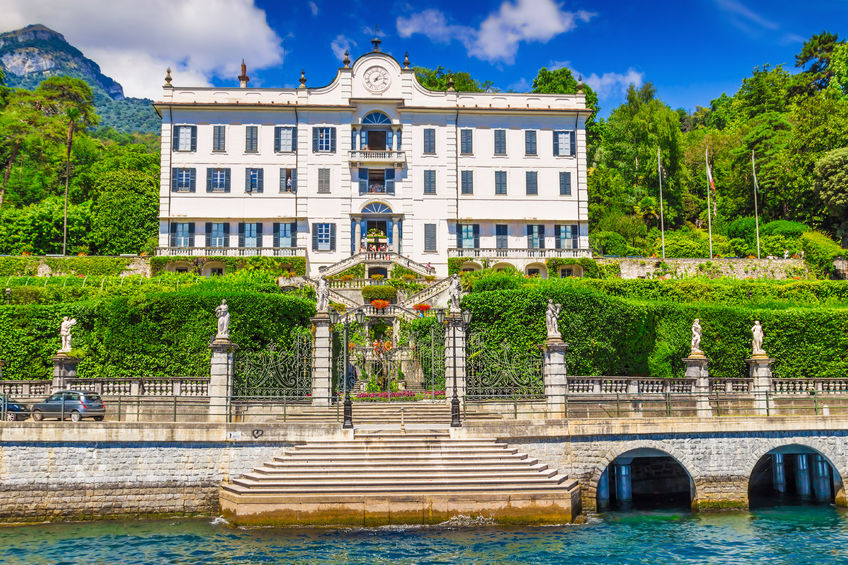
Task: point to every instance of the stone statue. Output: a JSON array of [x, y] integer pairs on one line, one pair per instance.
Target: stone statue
[[757, 342], [696, 338], [551, 319], [222, 312], [454, 293], [65, 333], [322, 293]]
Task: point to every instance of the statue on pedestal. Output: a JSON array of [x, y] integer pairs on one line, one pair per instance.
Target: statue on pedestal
[[696, 339], [322, 294], [551, 319], [222, 312], [454, 294], [757, 341], [65, 333]]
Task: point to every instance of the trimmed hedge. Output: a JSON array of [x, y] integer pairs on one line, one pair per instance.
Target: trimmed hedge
[[591, 268], [277, 265], [616, 336], [379, 292], [155, 334], [820, 251], [93, 266]]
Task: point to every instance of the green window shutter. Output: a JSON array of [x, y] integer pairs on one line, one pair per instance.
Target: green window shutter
[[390, 181], [247, 187], [278, 133], [314, 237], [226, 180], [191, 234], [226, 234], [556, 142], [557, 237], [315, 140], [389, 139], [565, 183], [572, 143], [209, 180], [294, 234], [192, 180], [194, 138], [174, 173], [531, 181], [332, 237], [332, 140], [363, 181], [260, 187], [476, 230]]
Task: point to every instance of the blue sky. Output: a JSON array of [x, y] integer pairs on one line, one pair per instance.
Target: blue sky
[[691, 50]]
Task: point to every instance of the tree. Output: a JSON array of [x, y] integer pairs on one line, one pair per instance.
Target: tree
[[74, 99], [562, 81], [437, 79], [125, 214], [19, 123], [832, 186], [816, 53]]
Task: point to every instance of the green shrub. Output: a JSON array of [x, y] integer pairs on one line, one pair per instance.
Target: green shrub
[[93, 266], [743, 228], [455, 264], [820, 251], [488, 279], [609, 243], [785, 228], [379, 292], [275, 265]]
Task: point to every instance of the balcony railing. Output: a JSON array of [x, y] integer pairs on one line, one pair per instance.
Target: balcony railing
[[366, 156], [516, 253], [231, 251]]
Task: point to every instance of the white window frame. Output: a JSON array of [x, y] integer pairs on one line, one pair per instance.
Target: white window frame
[[291, 140], [325, 236]]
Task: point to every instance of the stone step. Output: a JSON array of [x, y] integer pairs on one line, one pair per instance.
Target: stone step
[[362, 476], [365, 463], [383, 447], [388, 486], [392, 455], [349, 471]]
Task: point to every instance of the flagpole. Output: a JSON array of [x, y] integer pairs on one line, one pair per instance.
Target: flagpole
[[662, 219], [756, 212], [709, 205]]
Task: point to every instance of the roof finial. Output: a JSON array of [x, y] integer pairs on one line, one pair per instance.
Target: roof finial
[[168, 78], [243, 78], [450, 82], [376, 41], [580, 84], [406, 60], [302, 78], [346, 59]]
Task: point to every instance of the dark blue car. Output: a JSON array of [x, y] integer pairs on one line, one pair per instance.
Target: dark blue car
[[11, 410]]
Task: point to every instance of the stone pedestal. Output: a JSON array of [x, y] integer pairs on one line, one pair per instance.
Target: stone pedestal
[[555, 374], [696, 368], [454, 349], [322, 377], [220, 379], [759, 369], [64, 367]]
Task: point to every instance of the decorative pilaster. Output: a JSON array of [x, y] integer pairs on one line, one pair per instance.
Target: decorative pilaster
[[64, 367], [322, 380], [759, 369], [454, 349], [555, 375], [696, 368], [395, 236], [221, 369]]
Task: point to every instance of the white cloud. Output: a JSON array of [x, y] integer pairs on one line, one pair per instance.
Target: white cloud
[[133, 42], [612, 84], [341, 44], [521, 85], [499, 35], [742, 11], [314, 8]]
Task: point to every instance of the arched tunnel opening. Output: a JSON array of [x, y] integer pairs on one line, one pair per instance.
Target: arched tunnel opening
[[793, 474], [645, 479]]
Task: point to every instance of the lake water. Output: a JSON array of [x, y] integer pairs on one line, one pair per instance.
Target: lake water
[[800, 535]]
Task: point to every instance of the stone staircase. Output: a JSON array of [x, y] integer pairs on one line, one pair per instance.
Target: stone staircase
[[377, 257], [393, 477]]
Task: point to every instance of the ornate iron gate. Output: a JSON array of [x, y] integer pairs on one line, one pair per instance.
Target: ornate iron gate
[[275, 372], [503, 371]]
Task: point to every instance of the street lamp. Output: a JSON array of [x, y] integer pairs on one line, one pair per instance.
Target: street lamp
[[466, 319], [359, 316]]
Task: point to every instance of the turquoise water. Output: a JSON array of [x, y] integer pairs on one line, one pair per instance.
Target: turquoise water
[[779, 535]]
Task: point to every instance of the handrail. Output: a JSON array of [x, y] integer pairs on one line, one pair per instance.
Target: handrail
[[231, 251], [427, 293], [517, 253]]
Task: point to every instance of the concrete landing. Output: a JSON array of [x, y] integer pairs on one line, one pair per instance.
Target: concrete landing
[[390, 477]]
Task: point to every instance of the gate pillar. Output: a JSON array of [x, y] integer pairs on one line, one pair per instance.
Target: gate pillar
[[220, 378], [696, 368], [759, 368], [454, 355], [322, 378], [555, 376]]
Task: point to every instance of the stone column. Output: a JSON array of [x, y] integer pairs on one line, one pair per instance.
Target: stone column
[[778, 473], [821, 478], [395, 236], [455, 325], [220, 378], [603, 490], [322, 378], [696, 368], [623, 485], [802, 475], [555, 375], [64, 367], [759, 368], [357, 236]]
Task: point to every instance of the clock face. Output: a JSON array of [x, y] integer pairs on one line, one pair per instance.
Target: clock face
[[376, 79]]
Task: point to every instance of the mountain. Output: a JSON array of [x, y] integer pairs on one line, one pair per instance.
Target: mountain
[[31, 54]]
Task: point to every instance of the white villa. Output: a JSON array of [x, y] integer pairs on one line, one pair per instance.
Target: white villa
[[373, 168]]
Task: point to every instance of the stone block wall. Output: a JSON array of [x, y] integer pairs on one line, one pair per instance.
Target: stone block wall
[[720, 465], [735, 268], [51, 481]]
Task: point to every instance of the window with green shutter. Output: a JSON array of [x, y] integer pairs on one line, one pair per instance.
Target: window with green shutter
[[531, 179], [429, 182], [430, 141], [500, 182], [500, 142], [429, 237], [324, 181], [466, 147], [530, 142], [467, 182], [251, 139], [565, 183], [219, 138]]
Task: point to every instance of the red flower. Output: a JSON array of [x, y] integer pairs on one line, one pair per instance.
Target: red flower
[[422, 307], [379, 304]]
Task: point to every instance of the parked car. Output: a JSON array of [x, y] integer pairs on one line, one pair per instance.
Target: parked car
[[73, 404], [12, 410]]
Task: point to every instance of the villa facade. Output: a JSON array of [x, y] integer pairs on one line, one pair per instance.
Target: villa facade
[[373, 162]]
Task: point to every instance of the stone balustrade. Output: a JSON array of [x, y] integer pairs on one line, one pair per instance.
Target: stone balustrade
[[140, 386]]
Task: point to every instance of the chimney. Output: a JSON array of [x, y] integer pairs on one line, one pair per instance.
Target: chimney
[[243, 78]]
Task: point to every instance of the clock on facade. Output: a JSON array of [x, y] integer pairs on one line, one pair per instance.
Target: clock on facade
[[376, 79]]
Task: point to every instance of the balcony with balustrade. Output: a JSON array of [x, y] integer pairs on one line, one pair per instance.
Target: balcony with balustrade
[[172, 251]]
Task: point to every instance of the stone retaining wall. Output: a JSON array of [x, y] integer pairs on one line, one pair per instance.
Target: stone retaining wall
[[734, 268], [91, 480]]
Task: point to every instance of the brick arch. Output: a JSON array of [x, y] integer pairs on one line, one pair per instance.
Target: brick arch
[[814, 443], [689, 465]]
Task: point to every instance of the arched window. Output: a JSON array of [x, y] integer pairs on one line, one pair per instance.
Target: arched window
[[376, 208], [378, 118]]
